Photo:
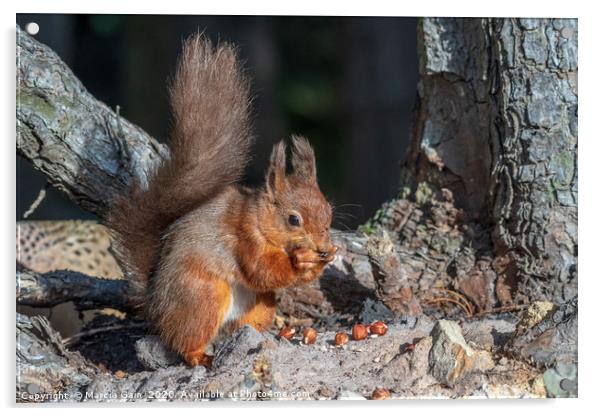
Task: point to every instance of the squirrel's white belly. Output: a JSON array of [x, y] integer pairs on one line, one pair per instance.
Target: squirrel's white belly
[[241, 300]]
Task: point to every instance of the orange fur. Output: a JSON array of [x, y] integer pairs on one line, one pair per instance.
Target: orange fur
[[189, 323], [260, 315], [265, 268]]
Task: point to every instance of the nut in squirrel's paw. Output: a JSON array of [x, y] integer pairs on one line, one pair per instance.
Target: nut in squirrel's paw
[[328, 256], [305, 258]]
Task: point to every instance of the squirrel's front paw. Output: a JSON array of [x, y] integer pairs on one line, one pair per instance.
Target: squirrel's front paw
[[305, 258]]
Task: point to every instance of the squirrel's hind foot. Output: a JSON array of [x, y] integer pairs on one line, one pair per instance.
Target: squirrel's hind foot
[[195, 358]]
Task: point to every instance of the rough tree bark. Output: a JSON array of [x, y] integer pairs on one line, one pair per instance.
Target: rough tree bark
[[496, 123], [85, 149], [53, 288]]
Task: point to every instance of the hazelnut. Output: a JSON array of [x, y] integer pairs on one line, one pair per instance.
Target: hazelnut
[[380, 394], [120, 374], [378, 328], [287, 333], [359, 332], [309, 335], [341, 339]]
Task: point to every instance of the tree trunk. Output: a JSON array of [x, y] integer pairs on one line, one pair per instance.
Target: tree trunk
[[496, 123]]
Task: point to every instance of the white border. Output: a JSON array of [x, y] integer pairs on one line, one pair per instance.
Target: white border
[[552, 8], [590, 202]]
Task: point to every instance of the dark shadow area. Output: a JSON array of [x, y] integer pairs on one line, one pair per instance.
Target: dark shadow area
[[345, 293], [348, 84], [110, 343]]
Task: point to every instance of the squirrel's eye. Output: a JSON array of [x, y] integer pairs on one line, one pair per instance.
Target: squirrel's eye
[[294, 220]]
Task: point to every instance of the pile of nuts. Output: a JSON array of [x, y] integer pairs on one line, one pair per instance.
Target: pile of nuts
[[358, 333], [309, 335], [361, 331]]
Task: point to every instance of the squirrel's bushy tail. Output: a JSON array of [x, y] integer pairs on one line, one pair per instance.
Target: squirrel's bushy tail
[[209, 148]]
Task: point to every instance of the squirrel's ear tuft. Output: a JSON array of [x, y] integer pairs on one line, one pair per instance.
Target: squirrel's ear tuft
[[276, 176], [303, 160]]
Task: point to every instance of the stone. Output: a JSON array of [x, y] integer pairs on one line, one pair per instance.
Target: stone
[[488, 333], [561, 380], [375, 310], [450, 357], [407, 367], [483, 361], [154, 354], [237, 348]]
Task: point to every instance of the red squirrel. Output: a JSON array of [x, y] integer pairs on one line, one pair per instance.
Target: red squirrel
[[204, 253]]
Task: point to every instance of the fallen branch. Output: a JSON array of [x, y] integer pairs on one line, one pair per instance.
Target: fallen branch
[[45, 366], [450, 300], [69, 341], [86, 292], [85, 149], [344, 282], [501, 309]]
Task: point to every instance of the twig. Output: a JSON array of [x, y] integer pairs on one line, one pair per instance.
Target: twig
[[501, 309], [461, 297], [36, 203], [69, 341], [450, 300]]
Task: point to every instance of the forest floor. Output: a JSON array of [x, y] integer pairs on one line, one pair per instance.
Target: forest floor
[[455, 329], [493, 357]]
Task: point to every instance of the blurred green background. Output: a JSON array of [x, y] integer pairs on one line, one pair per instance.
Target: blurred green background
[[347, 83]]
